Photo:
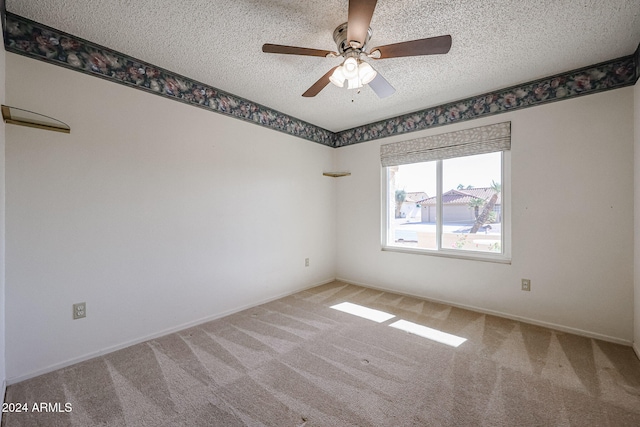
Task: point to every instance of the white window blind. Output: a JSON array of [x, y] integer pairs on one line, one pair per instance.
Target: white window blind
[[468, 142]]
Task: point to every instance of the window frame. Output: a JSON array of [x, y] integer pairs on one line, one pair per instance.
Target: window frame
[[503, 258]]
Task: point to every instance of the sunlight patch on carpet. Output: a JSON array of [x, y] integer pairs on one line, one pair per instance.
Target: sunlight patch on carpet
[[429, 333], [365, 312]]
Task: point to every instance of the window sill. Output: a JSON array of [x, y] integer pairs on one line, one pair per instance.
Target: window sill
[[473, 256]]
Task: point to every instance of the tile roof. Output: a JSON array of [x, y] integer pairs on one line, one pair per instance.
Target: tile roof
[[463, 197]]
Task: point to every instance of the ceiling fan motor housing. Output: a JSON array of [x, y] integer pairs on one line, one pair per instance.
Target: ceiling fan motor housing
[[340, 37]]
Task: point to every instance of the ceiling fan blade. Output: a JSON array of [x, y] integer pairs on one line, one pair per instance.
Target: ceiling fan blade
[[320, 84], [293, 50], [381, 86], [430, 46], [360, 13]]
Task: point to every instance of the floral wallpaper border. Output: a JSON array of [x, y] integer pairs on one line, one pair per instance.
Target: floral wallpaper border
[[593, 79], [29, 38], [636, 57]]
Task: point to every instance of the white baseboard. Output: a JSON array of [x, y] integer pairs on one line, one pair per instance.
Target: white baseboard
[[636, 348], [162, 333], [549, 325]]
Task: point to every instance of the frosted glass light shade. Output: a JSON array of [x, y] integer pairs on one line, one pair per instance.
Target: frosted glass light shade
[[366, 73], [354, 83], [350, 68], [337, 77]]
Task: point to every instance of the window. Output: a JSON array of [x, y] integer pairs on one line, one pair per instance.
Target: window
[[448, 194]]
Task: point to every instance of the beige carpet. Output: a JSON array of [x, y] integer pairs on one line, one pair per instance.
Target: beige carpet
[[298, 362]]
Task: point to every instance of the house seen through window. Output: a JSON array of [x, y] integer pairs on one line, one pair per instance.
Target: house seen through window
[[452, 205]]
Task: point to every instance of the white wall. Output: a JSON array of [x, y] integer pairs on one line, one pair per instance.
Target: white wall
[[3, 375], [136, 213], [636, 120], [571, 157]]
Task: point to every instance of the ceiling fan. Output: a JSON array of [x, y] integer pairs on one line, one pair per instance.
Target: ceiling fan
[[351, 39]]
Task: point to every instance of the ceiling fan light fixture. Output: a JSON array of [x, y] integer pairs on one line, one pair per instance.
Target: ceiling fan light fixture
[[354, 83], [338, 78], [352, 38], [366, 73], [350, 67]]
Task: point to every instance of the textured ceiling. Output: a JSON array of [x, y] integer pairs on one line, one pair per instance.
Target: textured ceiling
[[496, 44]]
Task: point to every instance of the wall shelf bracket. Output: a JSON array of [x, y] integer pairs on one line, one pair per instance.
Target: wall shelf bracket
[[336, 174], [20, 117]]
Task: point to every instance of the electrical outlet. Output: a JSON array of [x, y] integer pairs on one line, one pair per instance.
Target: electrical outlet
[[306, 262], [79, 310], [526, 284]]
